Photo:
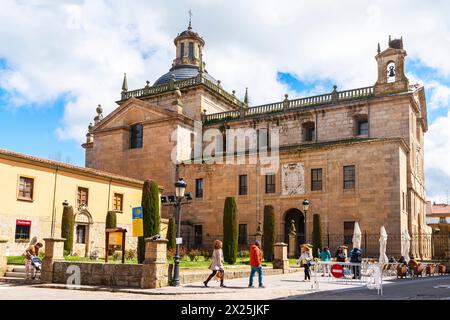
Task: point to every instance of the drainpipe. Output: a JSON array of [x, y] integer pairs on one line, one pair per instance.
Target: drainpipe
[[53, 225], [109, 194]]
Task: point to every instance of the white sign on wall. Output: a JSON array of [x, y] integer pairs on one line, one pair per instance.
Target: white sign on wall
[[293, 179]]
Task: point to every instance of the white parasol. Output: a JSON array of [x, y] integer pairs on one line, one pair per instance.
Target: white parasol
[[383, 242], [357, 236], [406, 243]]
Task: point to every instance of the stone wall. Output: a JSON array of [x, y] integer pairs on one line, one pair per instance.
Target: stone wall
[[100, 274]]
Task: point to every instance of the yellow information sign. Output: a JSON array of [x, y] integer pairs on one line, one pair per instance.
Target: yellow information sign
[[115, 238], [138, 225]]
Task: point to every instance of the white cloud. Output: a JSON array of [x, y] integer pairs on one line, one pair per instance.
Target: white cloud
[[80, 49]]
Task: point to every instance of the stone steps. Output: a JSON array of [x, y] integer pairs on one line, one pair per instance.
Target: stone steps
[[15, 280]]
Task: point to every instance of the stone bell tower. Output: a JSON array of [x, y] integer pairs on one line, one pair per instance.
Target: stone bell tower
[[391, 69]]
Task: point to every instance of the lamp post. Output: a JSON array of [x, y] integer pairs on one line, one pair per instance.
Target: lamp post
[[180, 187], [305, 210]]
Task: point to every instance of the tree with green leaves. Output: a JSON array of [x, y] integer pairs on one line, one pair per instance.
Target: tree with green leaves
[[111, 220], [230, 230], [67, 225], [171, 234], [150, 215], [317, 235], [269, 232]]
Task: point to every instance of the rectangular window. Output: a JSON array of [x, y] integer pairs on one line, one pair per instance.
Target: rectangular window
[[26, 186], [81, 233], [349, 177], [316, 179], [363, 127], [242, 184], [82, 196], [118, 202], [136, 136], [198, 235], [199, 188], [182, 50], [270, 183], [242, 238], [349, 227], [191, 50], [310, 134], [22, 233], [263, 139]]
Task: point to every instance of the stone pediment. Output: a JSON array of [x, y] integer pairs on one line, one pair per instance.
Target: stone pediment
[[131, 112]]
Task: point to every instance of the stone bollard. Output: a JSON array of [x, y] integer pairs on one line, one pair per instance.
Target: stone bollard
[[292, 245], [3, 259], [155, 267], [280, 256], [54, 251]]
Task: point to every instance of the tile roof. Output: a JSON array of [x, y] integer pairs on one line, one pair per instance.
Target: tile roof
[[69, 167]]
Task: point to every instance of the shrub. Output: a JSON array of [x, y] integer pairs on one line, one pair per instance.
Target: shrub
[[130, 254], [111, 220], [194, 254], [243, 254], [151, 215], [230, 230], [269, 232], [171, 234], [316, 235], [67, 225]]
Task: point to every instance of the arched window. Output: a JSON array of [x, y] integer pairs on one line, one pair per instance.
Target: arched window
[[136, 136], [391, 72]]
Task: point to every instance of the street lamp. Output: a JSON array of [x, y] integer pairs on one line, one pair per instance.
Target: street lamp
[[180, 187], [305, 210]]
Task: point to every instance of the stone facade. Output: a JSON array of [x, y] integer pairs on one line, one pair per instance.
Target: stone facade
[[378, 130]]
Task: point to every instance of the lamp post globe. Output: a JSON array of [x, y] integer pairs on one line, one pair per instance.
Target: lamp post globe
[[180, 187], [305, 205]]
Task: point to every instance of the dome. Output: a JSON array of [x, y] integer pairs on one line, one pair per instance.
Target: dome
[[182, 72]]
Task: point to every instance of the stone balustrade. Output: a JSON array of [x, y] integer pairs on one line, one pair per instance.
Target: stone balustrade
[[290, 105]]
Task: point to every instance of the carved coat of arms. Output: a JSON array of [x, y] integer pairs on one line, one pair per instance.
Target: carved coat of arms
[[293, 179]]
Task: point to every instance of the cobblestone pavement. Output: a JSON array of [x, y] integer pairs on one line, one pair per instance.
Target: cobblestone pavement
[[288, 286]]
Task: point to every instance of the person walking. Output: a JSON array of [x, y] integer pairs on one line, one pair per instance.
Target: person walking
[[255, 264], [325, 256], [305, 261], [216, 264], [31, 252]]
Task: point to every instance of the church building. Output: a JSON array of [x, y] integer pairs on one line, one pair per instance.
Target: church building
[[356, 155]]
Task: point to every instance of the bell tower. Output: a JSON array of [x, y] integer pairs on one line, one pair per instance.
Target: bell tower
[[189, 48], [391, 69]]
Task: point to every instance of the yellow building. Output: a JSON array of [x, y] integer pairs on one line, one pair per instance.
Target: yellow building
[[32, 192]]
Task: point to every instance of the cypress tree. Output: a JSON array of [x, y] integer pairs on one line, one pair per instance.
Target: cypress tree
[[230, 230], [317, 235], [67, 225], [171, 234], [111, 220], [150, 215], [269, 232]]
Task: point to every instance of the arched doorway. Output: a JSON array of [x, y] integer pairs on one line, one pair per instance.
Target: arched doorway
[[83, 221], [299, 222]]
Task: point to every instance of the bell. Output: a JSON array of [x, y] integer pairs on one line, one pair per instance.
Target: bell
[[391, 71]]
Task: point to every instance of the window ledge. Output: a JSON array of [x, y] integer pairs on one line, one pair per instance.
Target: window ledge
[[25, 199]]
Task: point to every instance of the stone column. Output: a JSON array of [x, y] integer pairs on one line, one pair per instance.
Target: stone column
[[3, 259], [54, 251], [155, 267], [292, 245], [280, 260]]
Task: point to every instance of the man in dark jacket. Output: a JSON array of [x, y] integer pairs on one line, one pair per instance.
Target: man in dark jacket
[[356, 257]]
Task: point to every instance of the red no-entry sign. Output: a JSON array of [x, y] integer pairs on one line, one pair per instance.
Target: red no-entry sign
[[337, 271]]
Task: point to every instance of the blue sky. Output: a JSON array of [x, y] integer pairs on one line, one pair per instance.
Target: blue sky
[[63, 59]]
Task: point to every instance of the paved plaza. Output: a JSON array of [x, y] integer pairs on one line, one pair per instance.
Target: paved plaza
[[287, 286]]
